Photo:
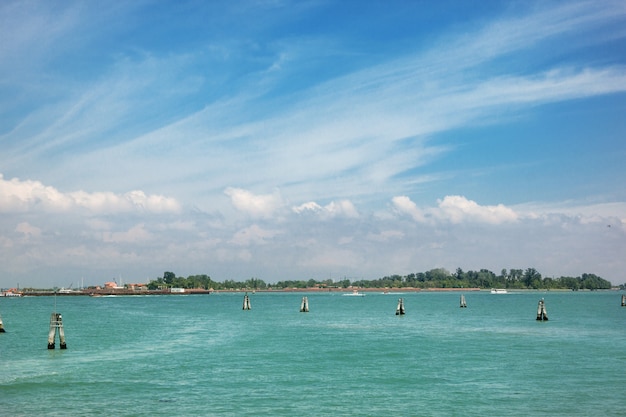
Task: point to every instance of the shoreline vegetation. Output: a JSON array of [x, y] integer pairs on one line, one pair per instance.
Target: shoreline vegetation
[[438, 279]]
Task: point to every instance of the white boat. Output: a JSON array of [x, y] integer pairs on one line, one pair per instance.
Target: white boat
[[499, 291], [354, 293]]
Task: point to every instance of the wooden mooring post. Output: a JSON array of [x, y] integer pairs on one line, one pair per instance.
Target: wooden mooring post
[[304, 305], [542, 314], [400, 308], [56, 325], [462, 302], [246, 302]]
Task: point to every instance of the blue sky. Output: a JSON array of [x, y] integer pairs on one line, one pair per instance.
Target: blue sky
[[310, 139]]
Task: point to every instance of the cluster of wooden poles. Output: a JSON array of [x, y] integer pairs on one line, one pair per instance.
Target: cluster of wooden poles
[[542, 313], [56, 327]]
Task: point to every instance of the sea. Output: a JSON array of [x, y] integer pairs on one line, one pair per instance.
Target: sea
[[203, 355]]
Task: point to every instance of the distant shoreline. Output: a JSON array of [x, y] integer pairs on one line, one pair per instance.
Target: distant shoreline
[[128, 292], [197, 291]]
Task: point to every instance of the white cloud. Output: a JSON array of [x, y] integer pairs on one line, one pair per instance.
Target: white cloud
[[458, 209], [135, 234], [253, 235], [28, 230], [341, 208], [25, 196], [355, 137], [255, 205], [455, 209], [587, 212], [311, 206], [404, 205], [346, 128]]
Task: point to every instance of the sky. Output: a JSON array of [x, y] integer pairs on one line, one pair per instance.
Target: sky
[[297, 140]]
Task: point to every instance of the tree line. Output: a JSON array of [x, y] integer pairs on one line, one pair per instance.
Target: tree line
[[529, 278]]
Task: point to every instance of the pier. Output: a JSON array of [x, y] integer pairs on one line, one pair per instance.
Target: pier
[[56, 325]]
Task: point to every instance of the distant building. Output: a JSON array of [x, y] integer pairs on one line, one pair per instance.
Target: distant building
[[138, 287]]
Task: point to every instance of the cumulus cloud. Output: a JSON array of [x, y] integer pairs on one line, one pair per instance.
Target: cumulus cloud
[[28, 230], [458, 209], [311, 206], [341, 208], [613, 213], [404, 205], [455, 209], [253, 235], [23, 196], [255, 205], [135, 234]]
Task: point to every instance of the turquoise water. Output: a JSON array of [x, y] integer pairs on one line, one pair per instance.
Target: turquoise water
[[201, 355]]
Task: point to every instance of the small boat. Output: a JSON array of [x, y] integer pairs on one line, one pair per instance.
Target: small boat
[[499, 291], [354, 293]]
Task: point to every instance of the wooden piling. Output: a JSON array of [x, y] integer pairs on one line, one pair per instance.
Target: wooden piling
[[623, 300], [246, 302], [462, 302], [56, 325], [304, 305], [542, 314], [400, 308]]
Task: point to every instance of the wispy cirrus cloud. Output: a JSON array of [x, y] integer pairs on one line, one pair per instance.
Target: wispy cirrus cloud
[[367, 126]]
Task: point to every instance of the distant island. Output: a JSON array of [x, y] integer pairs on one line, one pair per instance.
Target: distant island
[[529, 278], [436, 279]]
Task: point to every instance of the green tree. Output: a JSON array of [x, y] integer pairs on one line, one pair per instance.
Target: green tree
[[531, 278], [169, 277], [459, 274]]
